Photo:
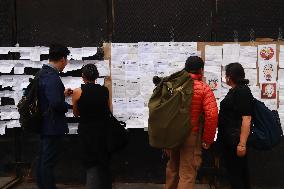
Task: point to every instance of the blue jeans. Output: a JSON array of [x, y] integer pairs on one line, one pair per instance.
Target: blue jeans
[[49, 149]]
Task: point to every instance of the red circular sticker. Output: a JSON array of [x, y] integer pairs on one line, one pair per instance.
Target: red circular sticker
[[267, 53]]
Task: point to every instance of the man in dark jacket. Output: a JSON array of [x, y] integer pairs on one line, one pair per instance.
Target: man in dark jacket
[[53, 106]]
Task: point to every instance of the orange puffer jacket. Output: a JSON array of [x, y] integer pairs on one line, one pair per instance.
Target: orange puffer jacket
[[203, 101]]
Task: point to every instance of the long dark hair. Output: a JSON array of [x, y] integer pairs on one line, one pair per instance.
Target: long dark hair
[[236, 73]]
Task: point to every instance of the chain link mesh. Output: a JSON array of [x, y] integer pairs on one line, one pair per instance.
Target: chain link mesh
[[263, 18], [162, 20], [6, 12]]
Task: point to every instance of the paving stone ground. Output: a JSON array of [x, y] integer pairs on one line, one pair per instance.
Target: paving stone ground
[[115, 186]]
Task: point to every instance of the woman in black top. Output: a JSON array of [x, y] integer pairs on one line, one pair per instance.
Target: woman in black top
[[91, 104], [234, 125]]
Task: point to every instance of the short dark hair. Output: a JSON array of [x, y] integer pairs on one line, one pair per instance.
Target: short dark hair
[[57, 51], [194, 64], [90, 72], [236, 73]]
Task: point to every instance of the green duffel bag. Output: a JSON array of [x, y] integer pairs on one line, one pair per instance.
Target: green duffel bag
[[169, 120]]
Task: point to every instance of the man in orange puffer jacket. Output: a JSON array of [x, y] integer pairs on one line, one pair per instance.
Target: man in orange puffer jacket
[[185, 160]]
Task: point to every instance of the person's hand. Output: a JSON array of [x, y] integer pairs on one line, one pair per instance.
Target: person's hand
[[241, 150], [205, 145], [68, 92]]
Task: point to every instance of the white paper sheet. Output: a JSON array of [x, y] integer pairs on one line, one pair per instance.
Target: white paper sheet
[[19, 69], [135, 103], [118, 70], [118, 89], [146, 86], [281, 76], [133, 87], [136, 118], [124, 51], [119, 104], [9, 112], [12, 124], [73, 65], [175, 66], [69, 100], [161, 68], [73, 128], [103, 68], [135, 123], [213, 55], [6, 66], [248, 56], [89, 51], [231, 53], [25, 52], [18, 94], [121, 115], [35, 54], [7, 81], [101, 81], [281, 56], [255, 90], [37, 64], [69, 113], [17, 82], [72, 82], [4, 50], [6, 93], [251, 75], [2, 128], [271, 104], [44, 50], [16, 49], [146, 66], [145, 47], [75, 53]]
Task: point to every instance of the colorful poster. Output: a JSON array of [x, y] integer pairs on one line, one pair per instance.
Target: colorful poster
[[213, 79], [267, 53], [267, 72], [268, 91]]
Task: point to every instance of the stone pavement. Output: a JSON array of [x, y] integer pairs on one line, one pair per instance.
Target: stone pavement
[[115, 186]]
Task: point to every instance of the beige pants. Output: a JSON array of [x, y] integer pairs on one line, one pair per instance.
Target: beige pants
[[183, 164]]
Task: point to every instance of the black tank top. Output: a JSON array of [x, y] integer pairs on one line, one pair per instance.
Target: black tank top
[[93, 103]]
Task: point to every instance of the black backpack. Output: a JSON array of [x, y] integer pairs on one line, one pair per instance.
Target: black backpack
[[266, 131], [117, 134], [29, 109]]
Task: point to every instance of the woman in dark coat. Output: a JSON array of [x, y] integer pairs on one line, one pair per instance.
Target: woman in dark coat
[[234, 126]]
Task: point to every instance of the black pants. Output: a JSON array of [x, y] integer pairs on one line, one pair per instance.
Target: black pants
[[98, 177], [237, 168], [49, 149]]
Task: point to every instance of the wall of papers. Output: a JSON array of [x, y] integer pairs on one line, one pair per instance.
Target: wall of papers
[[133, 65], [13, 78]]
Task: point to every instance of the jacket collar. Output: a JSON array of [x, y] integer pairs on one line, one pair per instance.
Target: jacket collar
[[195, 76], [50, 67]]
